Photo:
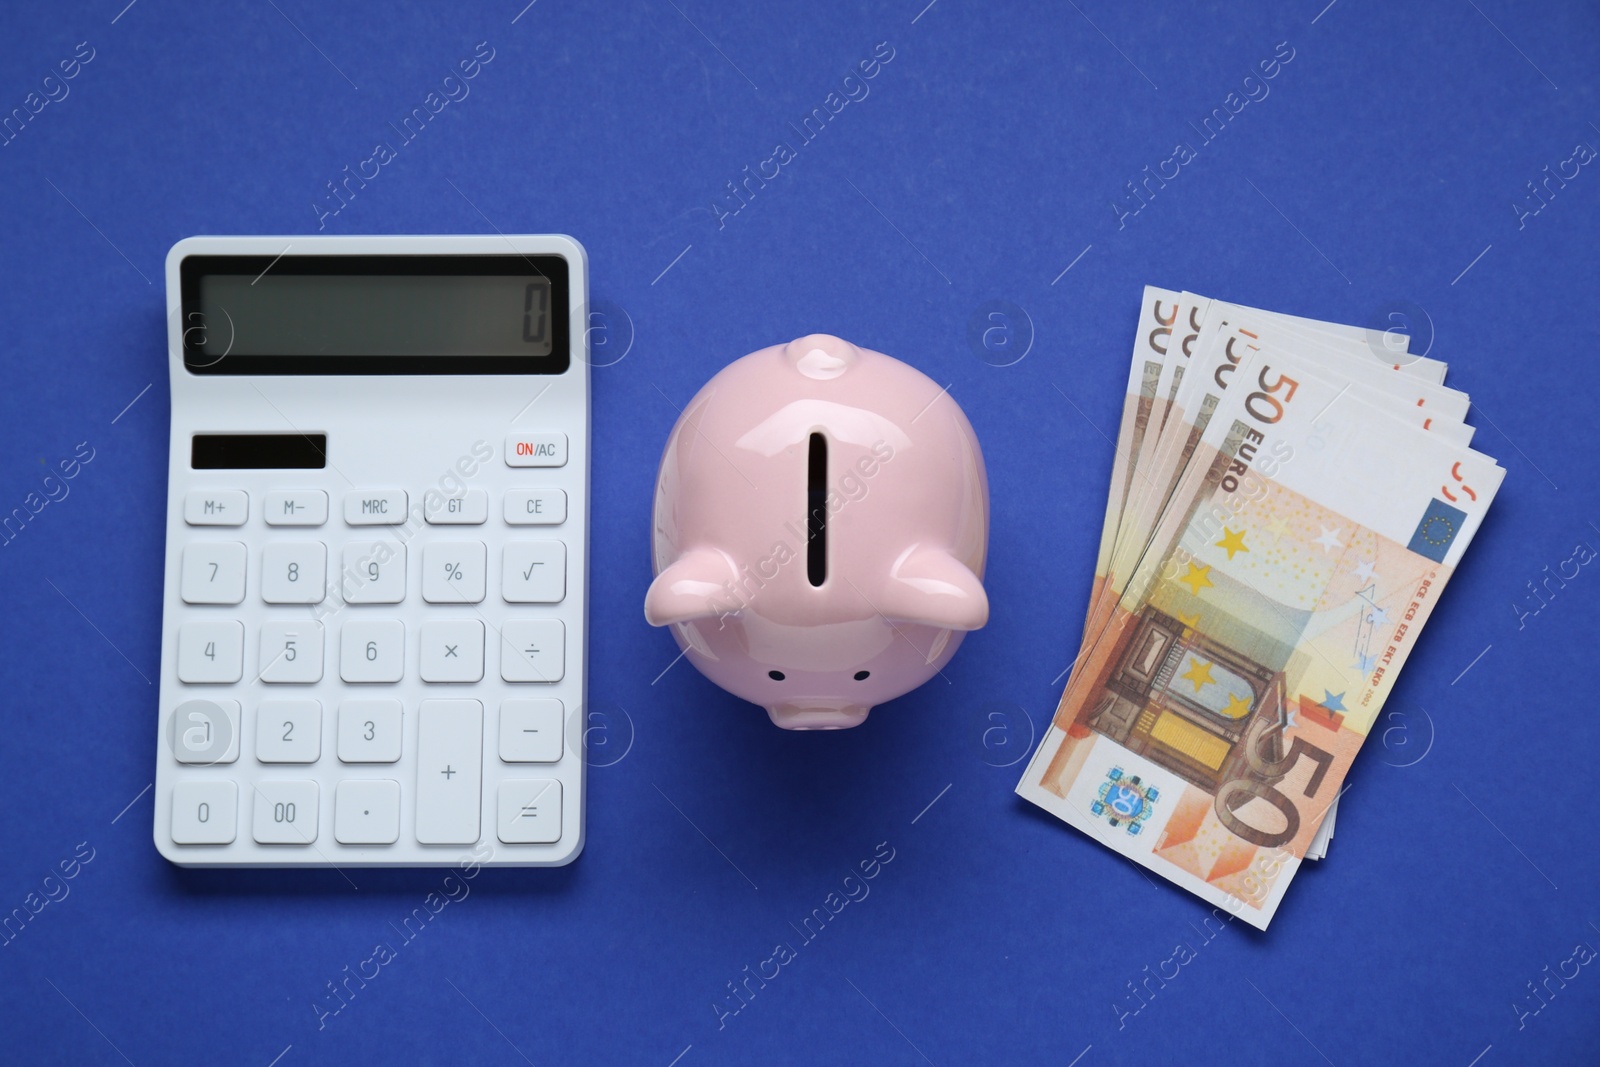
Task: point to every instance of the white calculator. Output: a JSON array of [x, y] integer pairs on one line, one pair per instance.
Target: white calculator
[[373, 632]]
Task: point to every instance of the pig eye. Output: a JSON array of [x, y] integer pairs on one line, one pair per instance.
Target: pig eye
[[862, 676], [776, 676]]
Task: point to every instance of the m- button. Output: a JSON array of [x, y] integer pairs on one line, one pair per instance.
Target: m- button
[[536, 450], [375, 507], [306, 507]]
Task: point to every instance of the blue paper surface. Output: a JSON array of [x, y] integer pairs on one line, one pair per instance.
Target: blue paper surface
[[983, 169]]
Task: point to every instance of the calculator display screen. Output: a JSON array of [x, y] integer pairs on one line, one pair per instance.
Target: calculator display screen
[[397, 314], [258, 451]]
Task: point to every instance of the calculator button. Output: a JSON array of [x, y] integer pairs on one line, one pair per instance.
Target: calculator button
[[452, 651], [285, 813], [213, 573], [211, 651], [289, 731], [530, 730], [372, 651], [291, 652], [205, 813], [294, 572], [374, 573], [533, 650], [204, 732], [216, 507], [536, 507], [366, 812], [375, 507], [468, 509], [534, 572], [530, 812], [453, 572], [536, 450], [304, 507], [369, 731], [449, 769]]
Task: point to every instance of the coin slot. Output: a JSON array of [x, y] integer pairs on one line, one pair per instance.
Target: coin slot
[[817, 510]]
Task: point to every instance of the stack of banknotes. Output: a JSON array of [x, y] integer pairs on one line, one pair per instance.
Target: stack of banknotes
[[1288, 499]]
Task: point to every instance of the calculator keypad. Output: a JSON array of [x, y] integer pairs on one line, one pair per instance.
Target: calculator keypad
[[449, 766], [204, 732], [530, 811], [468, 509], [367, 812], [205, 812], [372, 650], [369, 731], [326, 630], [285, 812], [211, 651], [530, 731], [213, 573], [452, 651], [536, 507], [294, 572], [289, 731], [291, 652], [453, 572], [533, 650], [534, 572], [374, 573], [306, 507], [227, 507], [375, 507]]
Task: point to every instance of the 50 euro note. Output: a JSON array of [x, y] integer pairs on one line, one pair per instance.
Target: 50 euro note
[[1388, 346], [1169, 327], [1158, 311], [1204, 345], [1343, 355], [1225, 342], [1185, 334], [1181, 347], [1209, 728]]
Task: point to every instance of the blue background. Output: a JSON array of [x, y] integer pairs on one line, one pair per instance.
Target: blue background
[[1379, 173]]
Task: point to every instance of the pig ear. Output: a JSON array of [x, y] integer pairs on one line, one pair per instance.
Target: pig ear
[[691, 588], [932, 587]]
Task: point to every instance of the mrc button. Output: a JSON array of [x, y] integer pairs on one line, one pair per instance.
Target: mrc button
[[536, 450], [375, 507]]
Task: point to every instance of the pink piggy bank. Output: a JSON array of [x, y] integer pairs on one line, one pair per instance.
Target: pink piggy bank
[[821, 521]]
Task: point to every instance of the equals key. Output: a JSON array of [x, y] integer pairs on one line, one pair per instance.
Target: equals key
[[530, 812]]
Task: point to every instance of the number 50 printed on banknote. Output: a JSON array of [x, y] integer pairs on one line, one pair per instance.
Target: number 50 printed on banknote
[[1210, 723]]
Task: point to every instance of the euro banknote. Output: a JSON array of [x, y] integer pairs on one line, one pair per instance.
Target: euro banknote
[[1158, 312], [1212, 336], [1217, 704], [1225, 341]]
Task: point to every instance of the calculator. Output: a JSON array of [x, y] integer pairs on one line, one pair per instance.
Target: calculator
[[375, 607]]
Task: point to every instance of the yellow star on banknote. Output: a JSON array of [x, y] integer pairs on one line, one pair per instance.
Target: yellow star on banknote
[[1199, 673], [1278, 527], [1238, 707], [1233, 541], [1197, 579], [1191, 621]]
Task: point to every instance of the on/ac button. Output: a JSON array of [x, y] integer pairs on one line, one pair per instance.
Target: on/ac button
[[536, 450]]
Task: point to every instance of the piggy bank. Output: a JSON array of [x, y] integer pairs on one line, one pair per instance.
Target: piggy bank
[[821, 521]]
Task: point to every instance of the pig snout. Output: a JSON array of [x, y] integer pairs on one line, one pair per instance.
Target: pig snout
[[796, 717]]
